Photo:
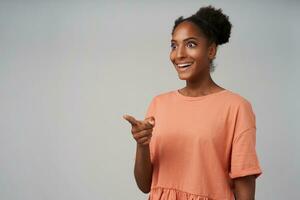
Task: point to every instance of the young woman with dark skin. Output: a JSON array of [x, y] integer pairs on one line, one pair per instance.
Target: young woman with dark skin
[[189, 45]]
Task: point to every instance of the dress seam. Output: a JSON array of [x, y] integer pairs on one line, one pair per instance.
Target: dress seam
[[169, 188]]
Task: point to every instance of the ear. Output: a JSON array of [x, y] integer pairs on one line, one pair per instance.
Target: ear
[[212, 50]]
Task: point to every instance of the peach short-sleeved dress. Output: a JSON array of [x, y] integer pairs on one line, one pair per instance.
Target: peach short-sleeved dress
[[199, 144]]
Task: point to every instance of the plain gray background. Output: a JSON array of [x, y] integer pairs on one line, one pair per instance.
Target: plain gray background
[[69, 70]]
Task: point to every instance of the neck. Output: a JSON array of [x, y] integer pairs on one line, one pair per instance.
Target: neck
[[202, 86]]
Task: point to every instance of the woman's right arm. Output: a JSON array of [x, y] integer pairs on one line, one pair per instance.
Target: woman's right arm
[[143, 168], [142, 133]]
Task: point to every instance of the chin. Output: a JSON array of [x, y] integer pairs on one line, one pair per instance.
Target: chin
[[183, 77]]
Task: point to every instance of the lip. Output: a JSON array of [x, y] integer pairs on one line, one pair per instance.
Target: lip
[[184, 62]]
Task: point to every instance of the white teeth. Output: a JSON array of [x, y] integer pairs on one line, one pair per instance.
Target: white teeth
[[184, 64]]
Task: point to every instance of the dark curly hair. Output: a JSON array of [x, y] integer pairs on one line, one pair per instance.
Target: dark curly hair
[[212, 22]]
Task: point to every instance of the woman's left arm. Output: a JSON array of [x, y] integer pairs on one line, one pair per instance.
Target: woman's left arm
[[244, 188]]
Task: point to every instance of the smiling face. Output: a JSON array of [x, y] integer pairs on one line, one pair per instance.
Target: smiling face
[[190, 46]]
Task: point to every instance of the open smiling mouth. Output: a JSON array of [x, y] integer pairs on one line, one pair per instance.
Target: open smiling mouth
[[183, 67]]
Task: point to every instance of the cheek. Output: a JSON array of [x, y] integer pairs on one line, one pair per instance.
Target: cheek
[[172, 56], [198, 55]]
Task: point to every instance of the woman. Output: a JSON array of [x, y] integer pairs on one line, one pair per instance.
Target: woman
[[203, 144]]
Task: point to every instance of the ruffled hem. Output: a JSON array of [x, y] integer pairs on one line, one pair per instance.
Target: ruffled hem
[[162, 193]]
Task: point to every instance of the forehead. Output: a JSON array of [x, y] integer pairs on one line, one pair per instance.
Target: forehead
[[185, 30]]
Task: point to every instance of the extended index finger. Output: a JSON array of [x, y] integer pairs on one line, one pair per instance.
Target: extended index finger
[[131, 120]]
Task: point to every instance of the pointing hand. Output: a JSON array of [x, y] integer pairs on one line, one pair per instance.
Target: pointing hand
[[141, 129]]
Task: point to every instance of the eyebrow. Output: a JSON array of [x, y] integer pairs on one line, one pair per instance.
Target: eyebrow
[[185, 39]]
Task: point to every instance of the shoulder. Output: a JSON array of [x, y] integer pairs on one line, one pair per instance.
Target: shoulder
[[239, 106], [236, 99], [163, 95], [159, 98]]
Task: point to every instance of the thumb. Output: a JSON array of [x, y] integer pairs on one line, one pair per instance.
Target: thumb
[[151, 120]]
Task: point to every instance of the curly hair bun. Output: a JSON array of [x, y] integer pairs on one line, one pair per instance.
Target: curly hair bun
[[218, 20]]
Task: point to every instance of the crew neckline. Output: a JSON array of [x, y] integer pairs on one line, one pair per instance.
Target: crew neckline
[[190, 98]]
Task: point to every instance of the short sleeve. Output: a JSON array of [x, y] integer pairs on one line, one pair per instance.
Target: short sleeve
[[151, 112], [244, 158]]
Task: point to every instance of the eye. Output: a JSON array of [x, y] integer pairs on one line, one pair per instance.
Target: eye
[[172, 45], [191, 44]]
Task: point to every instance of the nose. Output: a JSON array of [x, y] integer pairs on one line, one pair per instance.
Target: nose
[[180, 53]]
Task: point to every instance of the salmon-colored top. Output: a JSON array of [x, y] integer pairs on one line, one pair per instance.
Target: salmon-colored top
[[199, 144]]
